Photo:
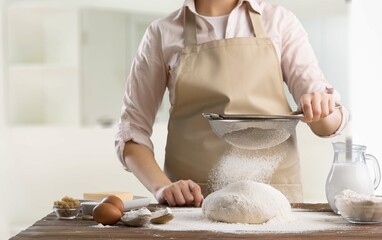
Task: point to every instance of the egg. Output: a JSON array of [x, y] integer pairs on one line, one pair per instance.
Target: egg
[[116, 201], [106, 213]]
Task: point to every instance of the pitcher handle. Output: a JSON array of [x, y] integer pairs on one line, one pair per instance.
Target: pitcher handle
[[377, 169]]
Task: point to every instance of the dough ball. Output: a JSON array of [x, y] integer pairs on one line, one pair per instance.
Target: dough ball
[[246, 202]]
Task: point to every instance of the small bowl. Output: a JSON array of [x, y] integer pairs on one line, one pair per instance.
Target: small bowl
[[66, 213], [87, 208], [361, 211]]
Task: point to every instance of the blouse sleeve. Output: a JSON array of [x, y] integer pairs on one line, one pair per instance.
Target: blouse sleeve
[[299, 64], [143, 95]]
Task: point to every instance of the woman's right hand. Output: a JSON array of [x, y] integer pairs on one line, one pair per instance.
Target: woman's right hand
[[140, 160], [180, 193]]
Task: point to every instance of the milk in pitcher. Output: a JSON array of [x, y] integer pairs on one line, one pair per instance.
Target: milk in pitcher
[[350, 171]]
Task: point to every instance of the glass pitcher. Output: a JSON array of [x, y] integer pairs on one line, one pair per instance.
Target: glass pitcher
[[350, 171]]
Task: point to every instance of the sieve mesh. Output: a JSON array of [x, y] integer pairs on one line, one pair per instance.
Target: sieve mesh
[[253, 132], [254, 138]]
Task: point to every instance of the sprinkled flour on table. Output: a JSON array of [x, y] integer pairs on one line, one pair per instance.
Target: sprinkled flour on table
[[192, 219], [100, 225]]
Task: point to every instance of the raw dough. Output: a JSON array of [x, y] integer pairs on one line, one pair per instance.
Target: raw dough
[[246, 202]]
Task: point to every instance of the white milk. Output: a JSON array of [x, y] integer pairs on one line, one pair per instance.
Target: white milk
[[351, 175]]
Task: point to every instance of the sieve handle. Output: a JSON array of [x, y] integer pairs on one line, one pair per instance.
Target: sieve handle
[[213, 116], [298, 112], [254, 117]]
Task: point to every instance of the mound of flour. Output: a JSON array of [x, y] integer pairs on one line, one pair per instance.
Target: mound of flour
[[246, 202]]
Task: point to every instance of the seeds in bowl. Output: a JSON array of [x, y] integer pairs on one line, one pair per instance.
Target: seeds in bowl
[[67, 202], [67, 208]]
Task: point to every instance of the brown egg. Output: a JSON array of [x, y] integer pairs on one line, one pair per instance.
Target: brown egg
[[116, 201], [106, 213]]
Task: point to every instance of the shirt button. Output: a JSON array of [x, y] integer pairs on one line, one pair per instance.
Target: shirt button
[[124, 115]]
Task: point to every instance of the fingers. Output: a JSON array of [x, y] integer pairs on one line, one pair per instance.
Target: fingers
[[316, 106], [197, 193], [180, 193], [183, 195]]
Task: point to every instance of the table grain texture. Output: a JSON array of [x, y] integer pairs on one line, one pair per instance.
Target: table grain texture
[[50, 227]]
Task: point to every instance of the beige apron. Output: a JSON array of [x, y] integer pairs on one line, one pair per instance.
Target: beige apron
[[228, 76]]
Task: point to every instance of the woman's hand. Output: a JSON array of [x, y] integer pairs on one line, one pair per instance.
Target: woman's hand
[[320, 113], [180, 193], [140, 160], [316, 106]]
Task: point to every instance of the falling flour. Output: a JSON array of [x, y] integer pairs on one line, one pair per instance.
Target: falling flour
[[253, 138], [192, 219], [240, 164]]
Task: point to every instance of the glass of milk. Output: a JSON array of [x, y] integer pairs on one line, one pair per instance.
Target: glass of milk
[[350, 171]]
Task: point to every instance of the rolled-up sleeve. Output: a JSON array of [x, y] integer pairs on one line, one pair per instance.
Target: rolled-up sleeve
[[300, 66], [146, 84]]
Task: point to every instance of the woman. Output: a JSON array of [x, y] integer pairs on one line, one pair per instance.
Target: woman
[[215, 56]]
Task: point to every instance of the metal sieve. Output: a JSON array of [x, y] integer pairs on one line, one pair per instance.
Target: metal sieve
[[253, 132]]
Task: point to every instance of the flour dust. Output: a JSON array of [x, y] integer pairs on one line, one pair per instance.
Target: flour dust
[[240, 164], [192, 219]]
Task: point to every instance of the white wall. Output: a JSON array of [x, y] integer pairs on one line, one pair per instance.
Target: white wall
[[149, 6], [329, 37], [366, 65], [49, 163], [3, 148]]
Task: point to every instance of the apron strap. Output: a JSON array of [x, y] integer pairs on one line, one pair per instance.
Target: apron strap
[[189, 28], [190, 25], [257, 22]]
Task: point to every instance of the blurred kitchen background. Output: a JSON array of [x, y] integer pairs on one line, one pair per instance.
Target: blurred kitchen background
[[63, 67]]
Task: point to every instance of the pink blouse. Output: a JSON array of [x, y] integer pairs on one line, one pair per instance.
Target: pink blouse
[[157, 60]]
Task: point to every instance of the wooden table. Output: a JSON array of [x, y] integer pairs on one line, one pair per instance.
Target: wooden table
[[50, 227]]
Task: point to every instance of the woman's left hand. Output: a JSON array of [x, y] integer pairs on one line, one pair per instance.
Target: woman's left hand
[[316, 106]]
